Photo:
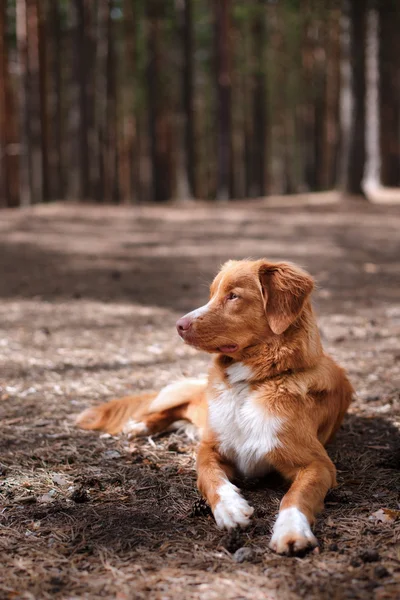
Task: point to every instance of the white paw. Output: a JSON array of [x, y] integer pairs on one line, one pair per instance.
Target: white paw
[[135, 428], [292, 533], [232, 509]]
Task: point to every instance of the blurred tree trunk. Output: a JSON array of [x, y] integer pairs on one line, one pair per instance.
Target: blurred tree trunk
[[319, 82], [4, 90], [308, 106], [91, 18], [357, 149], [159, 103], [345, 98], [371, 179], [188, 96], [332, 96], [34, 101], [54, 32], [102, 50], [110, 147], [260, 102], [223, 70], [74, 179], [183, 117], [8, 134], [79, 174], [239, 86], [25, 192], [389, 91], [81, 68], [247, 51], [43, 92], [129, 156]]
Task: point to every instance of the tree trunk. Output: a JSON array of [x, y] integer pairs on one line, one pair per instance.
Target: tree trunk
[[159, 104], [25, 192], [260, 102], [111, 162], [34, 103], [81, 66], [188, 96], [308, 105], [78, 180], [91, 17], [389, 91], [57, 182], [357, 150], [332, 96], [8, 134], [43, 92], [129, 158], [4, 88], [223, 69], [318, 98], [372, 162]]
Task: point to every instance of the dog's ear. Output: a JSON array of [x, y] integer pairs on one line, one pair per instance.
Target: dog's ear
[[285, 289]]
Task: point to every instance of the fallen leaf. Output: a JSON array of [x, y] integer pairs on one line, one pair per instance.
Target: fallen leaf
[[45, 499], [59, 479], [385, 515]]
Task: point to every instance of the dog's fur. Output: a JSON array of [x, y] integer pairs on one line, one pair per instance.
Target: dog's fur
[[272, 400]]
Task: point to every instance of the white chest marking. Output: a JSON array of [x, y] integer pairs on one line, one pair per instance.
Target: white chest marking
[[238, 372], [245, 430]]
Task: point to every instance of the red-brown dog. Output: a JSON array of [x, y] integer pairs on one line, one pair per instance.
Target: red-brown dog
[[273, 398]]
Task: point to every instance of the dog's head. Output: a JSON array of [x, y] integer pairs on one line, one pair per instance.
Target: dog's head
[[250, 302]]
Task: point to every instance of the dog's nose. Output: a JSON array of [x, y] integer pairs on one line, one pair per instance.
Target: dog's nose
[[183, 324]]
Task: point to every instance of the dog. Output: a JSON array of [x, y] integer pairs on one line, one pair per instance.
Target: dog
[[272, 401]]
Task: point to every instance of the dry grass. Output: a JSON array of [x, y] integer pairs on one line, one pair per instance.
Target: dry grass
[[89, 300]]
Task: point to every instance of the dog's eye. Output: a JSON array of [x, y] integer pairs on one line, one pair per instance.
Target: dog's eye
[[232, 296]]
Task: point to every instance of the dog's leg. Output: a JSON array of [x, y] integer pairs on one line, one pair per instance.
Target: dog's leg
[[229, 508], [155, 422], [133, 413], [292, 530]]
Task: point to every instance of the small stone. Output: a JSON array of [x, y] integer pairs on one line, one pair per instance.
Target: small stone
[[355, 562], [380, 571], [243, 554], [59, 479], [232, 540], [369, 556], [372, 398], [80, 496], [333, 547], [46, 498], [111, 454]]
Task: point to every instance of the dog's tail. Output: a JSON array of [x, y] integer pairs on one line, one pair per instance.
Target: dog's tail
[[154, 411]]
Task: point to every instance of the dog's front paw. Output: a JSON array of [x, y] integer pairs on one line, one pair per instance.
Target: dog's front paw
[[135, 428], [292, 533], [231, 510]]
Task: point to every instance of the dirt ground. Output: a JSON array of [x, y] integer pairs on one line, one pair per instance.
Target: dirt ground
[[89, 298]]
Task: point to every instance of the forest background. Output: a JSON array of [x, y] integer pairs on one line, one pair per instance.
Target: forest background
[[133, 101]]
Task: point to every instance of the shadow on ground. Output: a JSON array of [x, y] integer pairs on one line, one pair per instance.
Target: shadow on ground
[[166, 257]]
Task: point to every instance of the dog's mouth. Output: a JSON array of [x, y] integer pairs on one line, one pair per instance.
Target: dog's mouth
[[195, 342], [229, 349]]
